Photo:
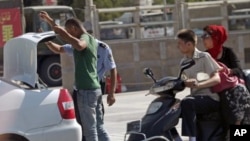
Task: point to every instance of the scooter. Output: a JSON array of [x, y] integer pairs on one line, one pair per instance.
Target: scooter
[[164, 112]]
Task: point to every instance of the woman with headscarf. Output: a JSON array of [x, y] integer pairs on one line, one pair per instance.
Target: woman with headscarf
[[235, 101], [213, 39]]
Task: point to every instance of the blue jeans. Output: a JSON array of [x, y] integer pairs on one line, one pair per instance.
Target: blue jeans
[[89, 103]]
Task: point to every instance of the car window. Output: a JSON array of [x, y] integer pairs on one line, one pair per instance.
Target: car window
[[113, 33], [35, 24]]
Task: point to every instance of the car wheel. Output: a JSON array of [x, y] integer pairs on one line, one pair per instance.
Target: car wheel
[[11, 138], [50, 71]]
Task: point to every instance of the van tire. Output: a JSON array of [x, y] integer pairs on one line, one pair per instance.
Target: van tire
[[50, 71]]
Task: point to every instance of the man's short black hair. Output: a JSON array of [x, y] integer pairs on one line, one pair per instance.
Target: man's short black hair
[[187, 35], [74, 22], [90, 31]]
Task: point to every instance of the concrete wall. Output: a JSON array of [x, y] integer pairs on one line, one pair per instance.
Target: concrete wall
[[161, 55], [133, 57]]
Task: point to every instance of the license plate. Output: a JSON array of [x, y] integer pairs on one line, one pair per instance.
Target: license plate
[[134, 126]]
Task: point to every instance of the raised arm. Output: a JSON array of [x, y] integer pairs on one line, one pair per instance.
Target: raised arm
[[45, 16], [78, 44], [72, 33], [56, 48]]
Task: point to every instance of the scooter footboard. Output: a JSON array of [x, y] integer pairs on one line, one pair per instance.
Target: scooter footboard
[[163, 125], [163, 116], [171, 118]]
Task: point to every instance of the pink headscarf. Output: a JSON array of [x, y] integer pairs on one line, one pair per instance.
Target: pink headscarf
[[219, 36]]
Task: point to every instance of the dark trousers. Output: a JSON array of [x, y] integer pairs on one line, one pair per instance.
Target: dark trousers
[[190, 107], [78, 119], [103, 84], [74, 97]]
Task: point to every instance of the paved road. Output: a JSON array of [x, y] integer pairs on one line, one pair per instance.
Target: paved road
[[128, 107]]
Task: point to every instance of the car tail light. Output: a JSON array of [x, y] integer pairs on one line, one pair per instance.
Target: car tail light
[[66, 105]]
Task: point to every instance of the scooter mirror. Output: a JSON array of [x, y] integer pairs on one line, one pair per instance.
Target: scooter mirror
[[185, 65], [148, 72]]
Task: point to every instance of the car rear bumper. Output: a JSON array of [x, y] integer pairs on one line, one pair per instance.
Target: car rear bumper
[[67, 130]]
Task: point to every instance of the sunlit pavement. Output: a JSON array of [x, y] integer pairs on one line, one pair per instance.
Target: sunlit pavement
[[128, 107]]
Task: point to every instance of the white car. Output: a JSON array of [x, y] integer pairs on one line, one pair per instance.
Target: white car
[[28, 110]]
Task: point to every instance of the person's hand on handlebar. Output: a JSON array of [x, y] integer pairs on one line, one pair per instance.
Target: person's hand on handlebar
[[191, 83]]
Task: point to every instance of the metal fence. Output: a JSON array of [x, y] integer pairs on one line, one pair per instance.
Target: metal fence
[[192, 15]]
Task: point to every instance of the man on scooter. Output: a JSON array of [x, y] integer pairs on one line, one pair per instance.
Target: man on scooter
[[201, 100]]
